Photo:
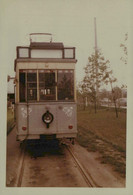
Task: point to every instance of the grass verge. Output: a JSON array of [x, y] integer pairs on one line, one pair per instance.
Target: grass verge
[[106, 134]]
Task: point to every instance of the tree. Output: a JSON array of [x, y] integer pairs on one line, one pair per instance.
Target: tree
[[82, 94], [96, 73], [124, 90], [105, 97], [112, 80], [124, 47], [117, 92]]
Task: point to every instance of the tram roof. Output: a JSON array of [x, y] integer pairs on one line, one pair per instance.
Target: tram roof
[[47, 45]]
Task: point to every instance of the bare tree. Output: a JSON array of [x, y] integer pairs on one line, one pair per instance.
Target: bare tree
[[82, 95], [96, 74], [112, 80], [124, 47]]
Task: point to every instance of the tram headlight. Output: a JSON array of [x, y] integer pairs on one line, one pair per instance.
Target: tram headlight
[[47, 118]]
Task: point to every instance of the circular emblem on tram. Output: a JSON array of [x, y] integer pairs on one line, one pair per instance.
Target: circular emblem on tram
[[47, 118]]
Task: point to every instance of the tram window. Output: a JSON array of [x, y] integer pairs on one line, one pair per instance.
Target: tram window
[[31, 86], [65, 85], [22, 87], [23, 52], [68, 53], [47, 85]]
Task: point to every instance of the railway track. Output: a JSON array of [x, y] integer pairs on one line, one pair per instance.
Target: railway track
[[67, 166], [21, 167], [87, 177]]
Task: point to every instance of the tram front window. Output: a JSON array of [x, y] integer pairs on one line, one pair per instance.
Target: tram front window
[[65, 85], [47, 85], [47, 88], [31, 86], [28, 85]]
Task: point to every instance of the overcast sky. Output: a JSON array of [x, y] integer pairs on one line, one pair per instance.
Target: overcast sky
[[70, 22]]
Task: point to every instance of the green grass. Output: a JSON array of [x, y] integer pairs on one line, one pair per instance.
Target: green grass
[[105, 124], [10, 119], [105, 133]]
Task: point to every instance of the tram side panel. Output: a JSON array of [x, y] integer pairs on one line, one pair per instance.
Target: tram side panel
[[21, 120], [67, 120]]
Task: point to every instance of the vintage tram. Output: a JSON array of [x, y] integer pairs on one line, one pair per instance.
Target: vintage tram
[[45, 90]]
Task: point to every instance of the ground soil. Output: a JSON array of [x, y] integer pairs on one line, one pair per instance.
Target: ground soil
[[110, 153], [103, 174]]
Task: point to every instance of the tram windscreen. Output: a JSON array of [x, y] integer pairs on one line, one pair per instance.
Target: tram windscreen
[[47, 85], [50, 86], [32, 86], [65, 85]]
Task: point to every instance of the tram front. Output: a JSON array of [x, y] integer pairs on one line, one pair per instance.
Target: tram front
[[45, 90]]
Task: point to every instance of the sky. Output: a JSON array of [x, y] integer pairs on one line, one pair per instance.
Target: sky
[[70, 22]]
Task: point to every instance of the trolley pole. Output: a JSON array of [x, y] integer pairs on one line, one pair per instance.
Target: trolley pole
[[96, 62]]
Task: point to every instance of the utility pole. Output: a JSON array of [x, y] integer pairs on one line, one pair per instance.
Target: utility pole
[[95, 35], [96, 64], [96, 53]]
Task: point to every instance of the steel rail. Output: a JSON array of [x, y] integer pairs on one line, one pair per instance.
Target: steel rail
[[87, 177], [21, 168]]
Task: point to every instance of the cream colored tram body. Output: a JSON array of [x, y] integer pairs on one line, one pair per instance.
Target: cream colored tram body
[[45, 91]]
